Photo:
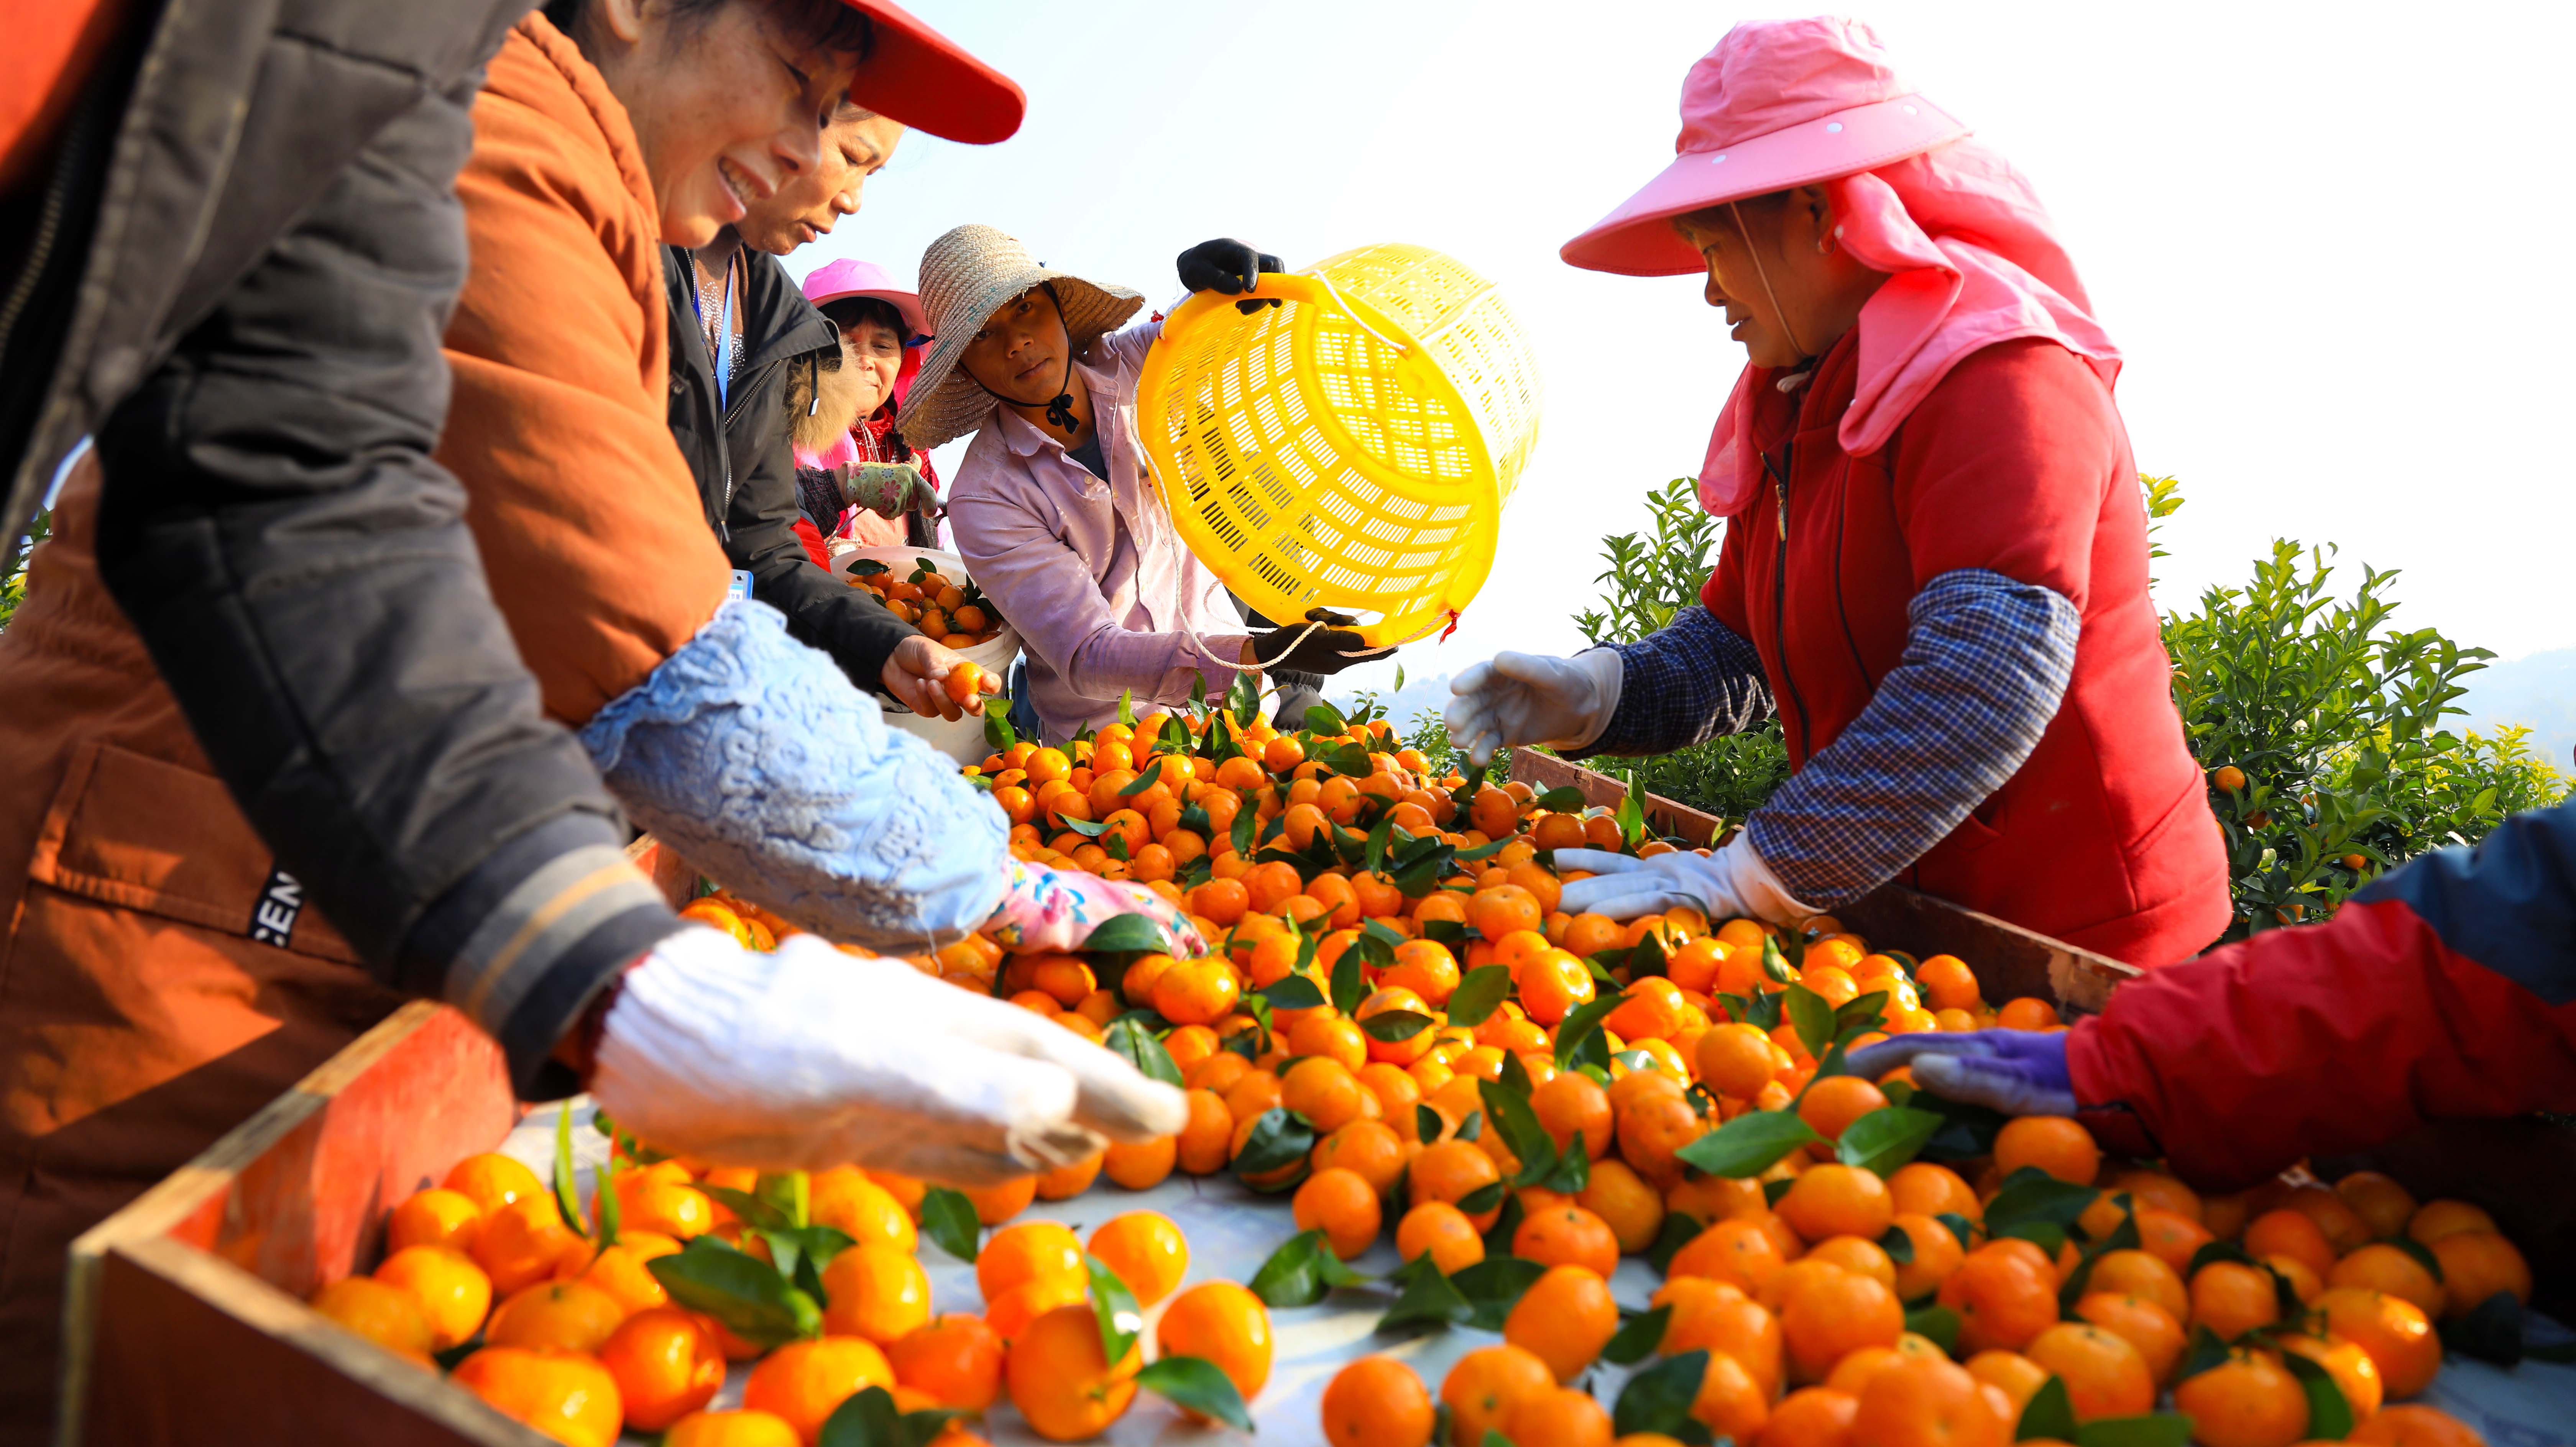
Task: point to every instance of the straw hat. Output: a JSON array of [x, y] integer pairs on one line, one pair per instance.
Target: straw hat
[[966, 275]]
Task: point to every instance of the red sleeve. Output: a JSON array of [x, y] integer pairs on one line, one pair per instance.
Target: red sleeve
[[2002, 466], [813, 541], [2315, 1041], [1723, 593]]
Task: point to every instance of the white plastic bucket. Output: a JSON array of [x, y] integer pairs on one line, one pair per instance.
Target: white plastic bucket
[[964, 739]]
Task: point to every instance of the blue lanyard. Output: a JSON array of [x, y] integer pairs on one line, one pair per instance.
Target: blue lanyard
[[724, 328]]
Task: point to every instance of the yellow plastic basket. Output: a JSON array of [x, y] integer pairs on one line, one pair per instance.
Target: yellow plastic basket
[[1351, 449]]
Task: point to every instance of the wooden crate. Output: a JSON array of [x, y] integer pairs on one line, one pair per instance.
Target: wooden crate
[[2008, 960], [184, 1316], [185, 1321]]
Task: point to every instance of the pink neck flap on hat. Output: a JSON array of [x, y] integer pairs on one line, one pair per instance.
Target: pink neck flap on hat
[[1971, 257]]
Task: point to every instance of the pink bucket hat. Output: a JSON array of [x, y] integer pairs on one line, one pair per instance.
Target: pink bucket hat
[[1971, 257], [1778, 103], [835, 280]]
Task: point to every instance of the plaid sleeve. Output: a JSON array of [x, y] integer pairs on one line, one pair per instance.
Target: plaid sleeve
[[1684, 683], [1985, 667]]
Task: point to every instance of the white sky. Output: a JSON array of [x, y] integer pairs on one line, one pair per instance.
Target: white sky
[[2329, 239]]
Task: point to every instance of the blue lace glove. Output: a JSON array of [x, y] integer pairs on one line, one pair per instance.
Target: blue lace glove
[[752, 755], [2018, 1072]]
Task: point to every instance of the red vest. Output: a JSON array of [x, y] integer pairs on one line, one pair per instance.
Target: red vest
[[2016, 463]]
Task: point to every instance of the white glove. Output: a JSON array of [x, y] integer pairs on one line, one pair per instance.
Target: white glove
[[1729, 883], [1527, 698], [810, 1058]]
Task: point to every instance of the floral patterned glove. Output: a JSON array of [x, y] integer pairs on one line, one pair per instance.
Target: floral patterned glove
[[888, 489], [1057, 909]]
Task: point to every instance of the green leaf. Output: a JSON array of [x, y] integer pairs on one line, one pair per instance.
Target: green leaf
[[1581, 1024], [2122, 1237], [801, 1253], [949, 1220], [612, 1212], [1373, 854], [1325, 720], [2158, 1429], [1113, 1306], [1243, 700], [1648, 958], [1279, 1139], [1200, 1386], [2050, 1412], [567, 1187], [2206, 1351], [1473, 1127], [1393, 1025], [1479, 994], [2329, 1414], [1962, 1230], [1679, 1230], [1749, 1144], [1772, 1191], [2422, 1253], [1509, 1112], [1659, 1398], [1428, 1301], [1127, 716], [791, 1193], [1563, 799], [2037, 1207], [1886, 1138], [999, 736], [1637, 1337], [1573, 1169], [1141, 783], [2491, 1332], [1124, 934], [2216, 1251], [1246, 820], [1301, 1271], [754, 1211], [1137, 1045], [1864, 1012], [745, 1293], [1495, 1285], [1938, 1323], [1515, 1076], [1292, 992], [1485, 1197], [1350, 984], [1898, 1245], [1812, 1016]]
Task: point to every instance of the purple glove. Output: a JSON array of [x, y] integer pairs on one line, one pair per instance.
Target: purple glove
[[2018, 1072]]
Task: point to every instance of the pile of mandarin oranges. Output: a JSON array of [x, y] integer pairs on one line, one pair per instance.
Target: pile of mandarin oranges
[[1547, 1097], [948, 612]]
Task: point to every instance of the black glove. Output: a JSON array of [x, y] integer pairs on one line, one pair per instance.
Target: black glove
[[1304, 649], [1229, 267]]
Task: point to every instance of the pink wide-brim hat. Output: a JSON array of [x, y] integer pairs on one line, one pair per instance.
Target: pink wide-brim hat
[[836, 280], [1778, 103]]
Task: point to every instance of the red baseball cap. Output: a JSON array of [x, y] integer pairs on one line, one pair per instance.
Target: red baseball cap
[[929, 82]]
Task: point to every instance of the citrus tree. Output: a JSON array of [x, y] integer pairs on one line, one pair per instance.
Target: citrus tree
[[2321, 726]]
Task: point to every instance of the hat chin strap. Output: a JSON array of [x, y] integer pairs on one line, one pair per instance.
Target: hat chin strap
[[1759, 271]]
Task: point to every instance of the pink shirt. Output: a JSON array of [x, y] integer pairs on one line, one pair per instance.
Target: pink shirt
[[1091, 573]]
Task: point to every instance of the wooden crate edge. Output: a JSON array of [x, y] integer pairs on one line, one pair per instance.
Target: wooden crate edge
[[172, 1200], [2067, 976], [1547, 771], [279, 1318]]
